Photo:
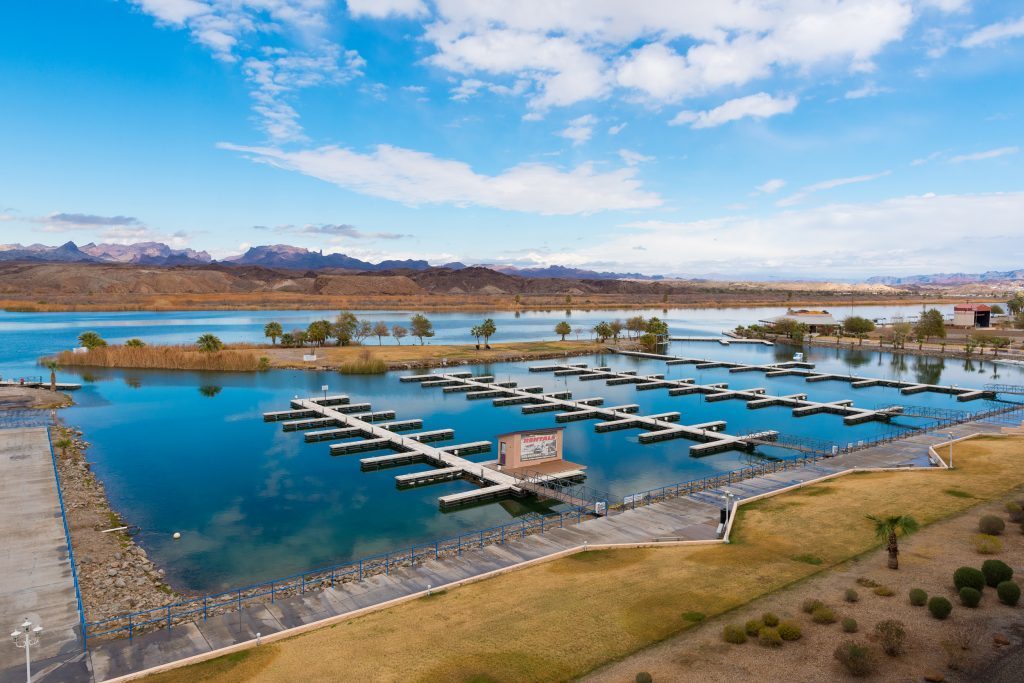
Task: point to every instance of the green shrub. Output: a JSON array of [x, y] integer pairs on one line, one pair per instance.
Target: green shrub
[[811, 604], [969, 576], [996, 571], [918, 597], [753, 627], [892, 635], [734, 634], [790, 630], [866, 582], [849, 625], [1008, 592], [695, 617], [770, 619], [940, 607], [769, 637], [823, 615], [851, 595], [264, 364], [855, 658], [644, 677], [987, 545], [970, 597], [884, 591], [991, 525], [1015, 511]]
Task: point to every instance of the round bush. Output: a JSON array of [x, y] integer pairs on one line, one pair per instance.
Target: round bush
[[1008, 592], [823, 615], [753, 627], [969, 597], [884, 591], [969, 577], [996, 571], [1015, 512], [851, 595], [769, 637], [790, 630], [918, 597], [940, 607], [644, 677], [811, 604], [849, 625], [991, 525], [770, 619], [892, 635], [734, 634], [986, 544], [854, 658]]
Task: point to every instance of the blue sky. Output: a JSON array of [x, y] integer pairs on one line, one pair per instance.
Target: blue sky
[[784, 138]]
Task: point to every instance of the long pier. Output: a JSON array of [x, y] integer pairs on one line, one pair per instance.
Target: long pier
[[806, 370], [755, 398], [659, 427], [447, 461]]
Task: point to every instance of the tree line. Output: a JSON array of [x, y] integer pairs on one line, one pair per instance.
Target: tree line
[[348, 329]]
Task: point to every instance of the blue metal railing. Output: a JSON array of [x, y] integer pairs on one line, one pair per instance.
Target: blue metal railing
[[202, 606], [67, 539]]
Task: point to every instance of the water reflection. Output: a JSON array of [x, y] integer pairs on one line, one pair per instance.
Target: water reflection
[[928, 369], [210, 390]]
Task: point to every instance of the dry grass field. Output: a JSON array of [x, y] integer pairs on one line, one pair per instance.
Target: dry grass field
[[562, 619]]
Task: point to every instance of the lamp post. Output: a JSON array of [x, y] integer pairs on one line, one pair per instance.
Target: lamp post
[[950, 450], [26, 636]]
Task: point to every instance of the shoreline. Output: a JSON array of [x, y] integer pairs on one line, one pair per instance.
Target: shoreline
[[934, 353], [115, 574], [482, 304]]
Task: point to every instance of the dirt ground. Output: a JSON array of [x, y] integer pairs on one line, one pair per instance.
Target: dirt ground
[[927, 560], [27, 398]]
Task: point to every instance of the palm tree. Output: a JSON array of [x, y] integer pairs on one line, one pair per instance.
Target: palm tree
[[272, 330], [208, 343], [52, 366], [475, 332], [63, 444], [91, 340], [135, 343], [487, 330], [886, 529]]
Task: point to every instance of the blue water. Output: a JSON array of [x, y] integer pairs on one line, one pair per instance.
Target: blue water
[[188, 451]]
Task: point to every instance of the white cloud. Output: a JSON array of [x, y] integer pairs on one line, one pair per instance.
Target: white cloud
[[993, 33], [579, 129], [867, 90], [981, 156], [771, 186], [925, 160], [632, 158], [807, 190], [616, 129], [381, 9], [935, 233], [417, 178], [227, 27], [576, 50], [947, 5], [760, 106]]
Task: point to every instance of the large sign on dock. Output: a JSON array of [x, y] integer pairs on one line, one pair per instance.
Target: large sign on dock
[[539, 447]]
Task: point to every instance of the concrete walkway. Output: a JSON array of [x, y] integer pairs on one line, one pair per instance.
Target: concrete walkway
[[35, 572]]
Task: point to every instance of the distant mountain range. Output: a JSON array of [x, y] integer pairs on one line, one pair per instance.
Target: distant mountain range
[[141, 253], [951, 278], [269, 256]]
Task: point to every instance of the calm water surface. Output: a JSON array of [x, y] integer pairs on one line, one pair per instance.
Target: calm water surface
[[188, 451]]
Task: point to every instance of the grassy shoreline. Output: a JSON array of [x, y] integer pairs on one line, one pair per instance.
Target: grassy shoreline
[[254, 358]]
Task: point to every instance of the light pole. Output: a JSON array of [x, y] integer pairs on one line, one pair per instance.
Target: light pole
[[26, 636], [950, 450]]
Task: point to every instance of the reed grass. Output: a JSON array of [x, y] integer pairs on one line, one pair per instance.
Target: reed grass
[[365, 364], [164, 358]]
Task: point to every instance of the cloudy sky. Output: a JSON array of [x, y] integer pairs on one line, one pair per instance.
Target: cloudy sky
[[785, 138]]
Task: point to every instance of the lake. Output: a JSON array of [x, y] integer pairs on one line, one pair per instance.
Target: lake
[[188, 451]]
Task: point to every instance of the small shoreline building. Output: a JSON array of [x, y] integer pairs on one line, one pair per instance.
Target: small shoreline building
[[534, 452], [972, 315], [817, 322]]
